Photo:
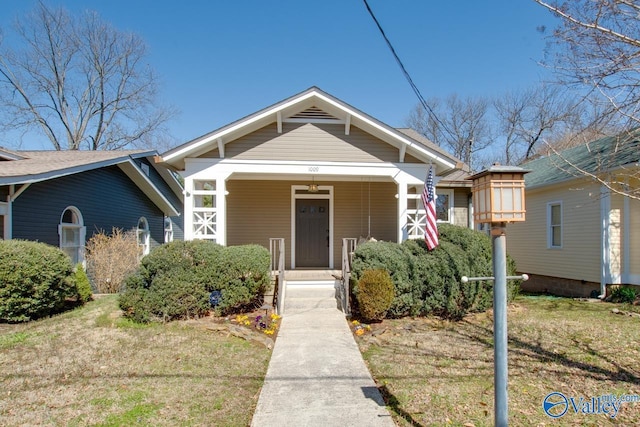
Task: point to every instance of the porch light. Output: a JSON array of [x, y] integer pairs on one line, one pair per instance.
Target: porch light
[[313, 187], [498, 194], [498, 198]]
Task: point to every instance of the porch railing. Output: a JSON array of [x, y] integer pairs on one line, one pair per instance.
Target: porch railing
[[277, 250], [348, 248]]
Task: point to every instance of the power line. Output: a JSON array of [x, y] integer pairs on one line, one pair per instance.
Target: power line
[[423, 102]]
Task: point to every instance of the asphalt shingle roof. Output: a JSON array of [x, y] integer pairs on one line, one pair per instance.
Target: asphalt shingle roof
[[35, 163], [596, 156]]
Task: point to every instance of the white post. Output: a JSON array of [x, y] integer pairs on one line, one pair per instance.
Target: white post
[[188, 208], [221, 210], [402, 212]]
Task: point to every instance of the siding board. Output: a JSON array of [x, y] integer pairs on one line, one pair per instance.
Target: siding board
[[306, 142], [105, 197], [259, 210]]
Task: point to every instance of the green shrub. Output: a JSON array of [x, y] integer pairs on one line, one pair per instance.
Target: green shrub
[[83, 285], [375, 294], [623, 294], [35, 280], [393, 258], [175, 280], [429, 282]]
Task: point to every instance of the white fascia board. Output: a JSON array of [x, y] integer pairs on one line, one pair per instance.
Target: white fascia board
[[399, 172], [271, 111], [131, 169], [349, 111], [388, 131]]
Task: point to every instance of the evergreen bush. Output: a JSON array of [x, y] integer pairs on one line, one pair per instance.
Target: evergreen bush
[[85, 294], [428, 282], [36, 280], [175, 280], [375, 292]]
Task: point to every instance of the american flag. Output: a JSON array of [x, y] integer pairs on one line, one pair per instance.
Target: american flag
[[429, 202]]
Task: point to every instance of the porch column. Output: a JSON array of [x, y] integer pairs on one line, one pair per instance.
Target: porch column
[[188, 208], [221, 210], [402, 212]]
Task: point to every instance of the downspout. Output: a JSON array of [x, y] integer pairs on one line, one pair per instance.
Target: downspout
[[605, 206], [470, 211]]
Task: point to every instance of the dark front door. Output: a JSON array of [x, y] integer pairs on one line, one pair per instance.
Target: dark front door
[[312, 233]]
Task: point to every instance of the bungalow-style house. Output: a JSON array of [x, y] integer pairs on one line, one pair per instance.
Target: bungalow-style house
[[63, 197], [313, 170], [580, 235]]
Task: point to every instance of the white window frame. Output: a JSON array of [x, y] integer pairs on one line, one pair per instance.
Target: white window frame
[[550, 226], [450, 211], [168, 230], [143, 235], [80, 232]]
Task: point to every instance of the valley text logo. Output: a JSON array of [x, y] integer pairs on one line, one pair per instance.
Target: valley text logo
[[557, 404]]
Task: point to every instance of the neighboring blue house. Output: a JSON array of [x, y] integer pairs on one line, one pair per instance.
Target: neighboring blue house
[[64, 197]]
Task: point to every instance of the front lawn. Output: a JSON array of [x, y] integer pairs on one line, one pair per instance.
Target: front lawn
[[435, 372], [92, 367]]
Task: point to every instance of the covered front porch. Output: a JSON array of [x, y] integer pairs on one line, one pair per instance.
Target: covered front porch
[[312, 212]]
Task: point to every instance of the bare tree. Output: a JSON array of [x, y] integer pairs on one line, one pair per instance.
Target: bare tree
[[79, 81], [526, 117], [597, 47], [458, 125]]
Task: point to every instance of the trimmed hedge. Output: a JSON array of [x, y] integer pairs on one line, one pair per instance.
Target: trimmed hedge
[[428, 282], [375, 294], [175, 280], [36, 280]]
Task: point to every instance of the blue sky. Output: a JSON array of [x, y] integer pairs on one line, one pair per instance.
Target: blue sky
[[219, 61]]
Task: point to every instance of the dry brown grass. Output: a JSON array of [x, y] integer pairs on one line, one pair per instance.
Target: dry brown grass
[[436, 373], [92, 367]]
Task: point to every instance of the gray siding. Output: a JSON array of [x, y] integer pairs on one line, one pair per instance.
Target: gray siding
[[105, 197]]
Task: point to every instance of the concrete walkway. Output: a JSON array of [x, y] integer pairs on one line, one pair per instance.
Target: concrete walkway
[[316, 376]]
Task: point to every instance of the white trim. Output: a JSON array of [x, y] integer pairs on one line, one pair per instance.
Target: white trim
[[626, 236], [450, 214], [220, 148], [605, 206], [82, 231], [205, 168], [273, 111], [347, 125], [145, 233], [295, 196], [144, 183], [279, 121], [549, 229]]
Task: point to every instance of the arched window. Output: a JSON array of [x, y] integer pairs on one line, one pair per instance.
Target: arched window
[[143, 236], [168, 230], [72, 234]]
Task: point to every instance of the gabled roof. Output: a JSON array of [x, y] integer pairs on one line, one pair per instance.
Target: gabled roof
[[317, 105], [602, 155], [35, 166], [8, 155]]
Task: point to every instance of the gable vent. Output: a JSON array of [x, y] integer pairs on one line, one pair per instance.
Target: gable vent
[[313, 113]]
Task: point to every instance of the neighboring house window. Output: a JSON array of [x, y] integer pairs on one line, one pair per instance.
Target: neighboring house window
[[143, 236], [554, 221], [168, 230], [72, 234], [444, 205]]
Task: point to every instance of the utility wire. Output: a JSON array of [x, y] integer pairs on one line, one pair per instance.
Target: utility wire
[[423, 102]]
